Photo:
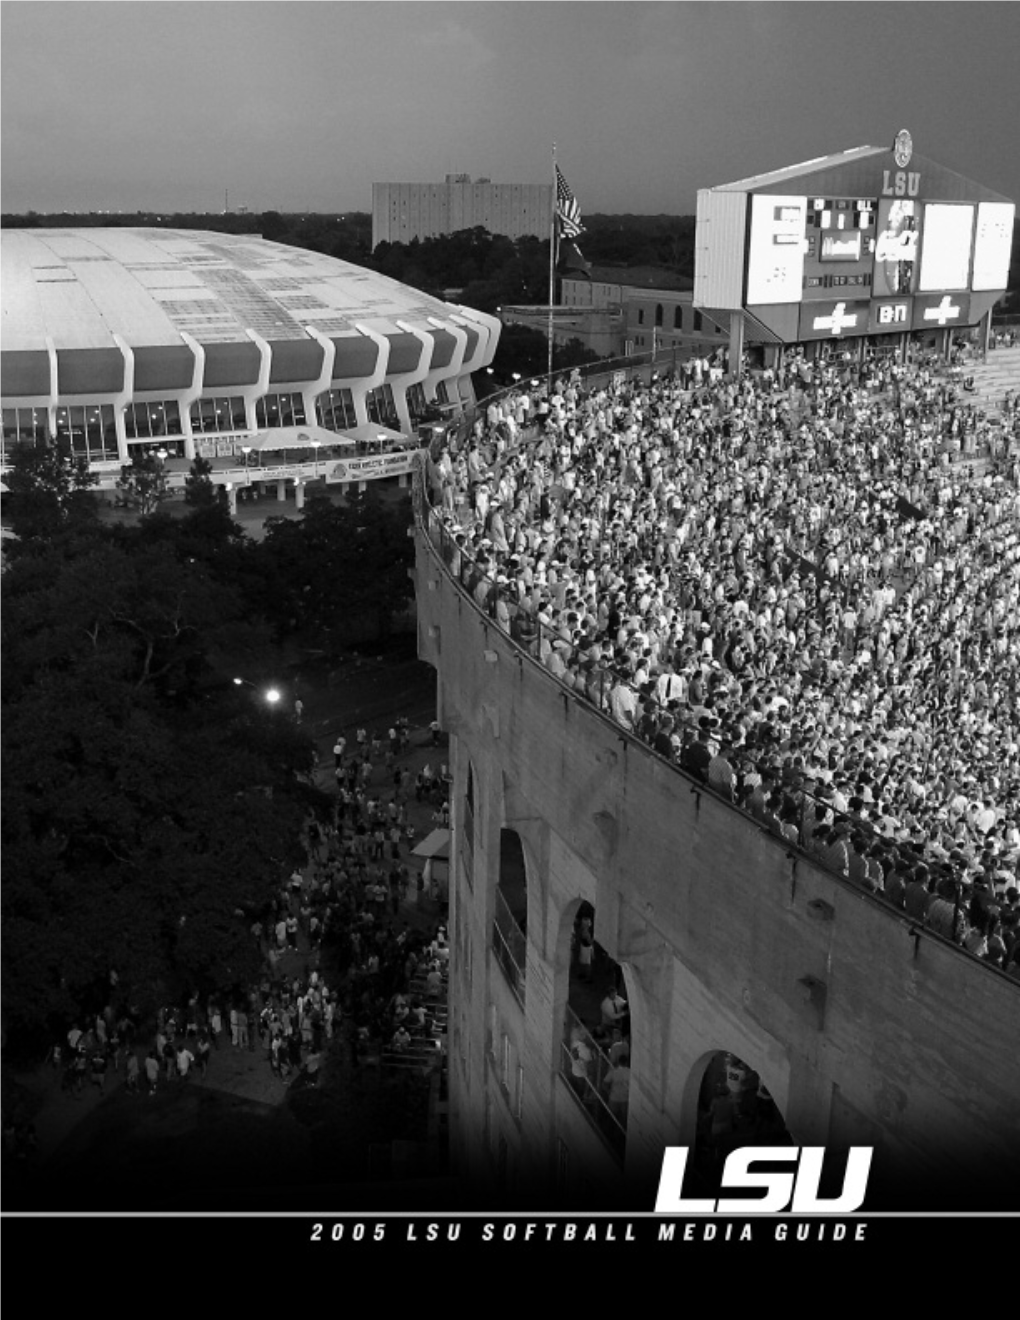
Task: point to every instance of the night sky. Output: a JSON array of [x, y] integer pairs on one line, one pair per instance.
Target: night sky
[[301, 106]]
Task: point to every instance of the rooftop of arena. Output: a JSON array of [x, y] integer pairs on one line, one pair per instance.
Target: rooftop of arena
[[76, 288]]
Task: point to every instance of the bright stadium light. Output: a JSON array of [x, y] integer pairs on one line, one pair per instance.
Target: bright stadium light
[[272, 696]]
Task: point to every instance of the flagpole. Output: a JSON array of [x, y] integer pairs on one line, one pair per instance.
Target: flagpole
[[552, 265]]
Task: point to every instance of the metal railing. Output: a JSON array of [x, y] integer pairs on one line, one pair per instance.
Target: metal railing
[[510, 945], [585, 1066]]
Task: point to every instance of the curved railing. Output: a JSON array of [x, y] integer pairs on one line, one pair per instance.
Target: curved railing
[[494, 602]]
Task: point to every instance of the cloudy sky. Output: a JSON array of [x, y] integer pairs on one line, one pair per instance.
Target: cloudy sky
[[301, 106]]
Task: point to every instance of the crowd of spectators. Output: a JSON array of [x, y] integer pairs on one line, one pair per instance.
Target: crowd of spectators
[[342, 911], [792, 584]]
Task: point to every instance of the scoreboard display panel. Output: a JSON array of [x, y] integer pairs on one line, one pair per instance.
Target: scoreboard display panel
[[993, 239], [880, 242], [775, 265], [838, 244], [945, 252], [897, 239]]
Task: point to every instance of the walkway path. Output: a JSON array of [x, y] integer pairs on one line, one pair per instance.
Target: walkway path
[[245, 1074]]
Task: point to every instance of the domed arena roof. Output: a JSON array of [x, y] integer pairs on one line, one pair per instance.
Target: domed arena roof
[[79, 286], [90, 295]]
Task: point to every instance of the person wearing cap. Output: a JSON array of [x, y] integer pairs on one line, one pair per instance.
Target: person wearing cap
[[555, 660]]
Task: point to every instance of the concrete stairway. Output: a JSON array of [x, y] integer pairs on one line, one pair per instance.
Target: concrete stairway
[[992, 378]]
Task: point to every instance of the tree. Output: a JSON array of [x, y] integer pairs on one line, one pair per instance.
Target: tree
[[49, 492], [147, 812], [143, 481], [341, 572], [199, 488]]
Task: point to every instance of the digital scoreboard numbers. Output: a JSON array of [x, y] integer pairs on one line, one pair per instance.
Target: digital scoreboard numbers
[[839, 239], [775, 266]]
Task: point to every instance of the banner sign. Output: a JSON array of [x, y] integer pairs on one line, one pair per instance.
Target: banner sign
[[889, 316], [941, 311], [833, 320], [251, 476], [369, 467]]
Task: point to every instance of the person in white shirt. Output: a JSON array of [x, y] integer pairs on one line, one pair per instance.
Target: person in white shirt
[[670, 687], [623, 703]]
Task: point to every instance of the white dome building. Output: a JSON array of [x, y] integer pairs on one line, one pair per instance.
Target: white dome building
[[196, 343]]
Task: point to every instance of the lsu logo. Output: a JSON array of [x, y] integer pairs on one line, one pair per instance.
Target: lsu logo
[[796, 1190]]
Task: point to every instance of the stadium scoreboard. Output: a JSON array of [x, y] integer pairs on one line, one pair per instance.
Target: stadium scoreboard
[[904, 244]]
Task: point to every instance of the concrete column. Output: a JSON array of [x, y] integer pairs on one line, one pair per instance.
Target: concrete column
[[401, 384], [51, 403], [252, 393], [121, 401], [232, 497], [454, 368], [736, 343], [191, 395], [360, 388], [312, 390], [299, 494], [281, 491]]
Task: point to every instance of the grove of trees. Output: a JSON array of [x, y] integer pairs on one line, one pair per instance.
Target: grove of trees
[[151, 807]]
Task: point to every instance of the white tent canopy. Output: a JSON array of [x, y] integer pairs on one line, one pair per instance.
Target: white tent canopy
[[372, 432], [436, 844], [297, 437]]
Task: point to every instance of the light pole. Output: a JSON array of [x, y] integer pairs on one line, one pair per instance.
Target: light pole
[[315, 446], [246, 450], [271, 695]]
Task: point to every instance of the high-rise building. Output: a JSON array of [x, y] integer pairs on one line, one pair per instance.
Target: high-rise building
[[405, 211]]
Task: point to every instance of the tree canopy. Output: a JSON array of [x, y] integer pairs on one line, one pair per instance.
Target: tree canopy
[[150, 807], [341, 572], [48, 492]]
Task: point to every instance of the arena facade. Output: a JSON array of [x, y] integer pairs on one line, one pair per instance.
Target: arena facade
[[193, 343]]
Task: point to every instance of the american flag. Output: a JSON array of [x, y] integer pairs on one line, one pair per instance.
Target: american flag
[[568, 213]]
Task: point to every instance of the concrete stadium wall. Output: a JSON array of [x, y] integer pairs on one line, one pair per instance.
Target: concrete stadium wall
[[865, 1029]]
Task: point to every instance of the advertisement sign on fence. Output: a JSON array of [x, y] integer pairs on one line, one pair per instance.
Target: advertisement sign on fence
[[369, 468]]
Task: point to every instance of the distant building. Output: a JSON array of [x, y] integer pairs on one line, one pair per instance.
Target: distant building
[[624, 310], [402, 212]]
